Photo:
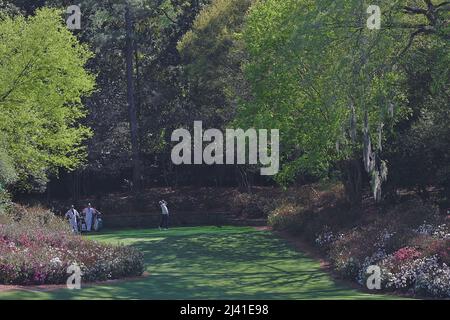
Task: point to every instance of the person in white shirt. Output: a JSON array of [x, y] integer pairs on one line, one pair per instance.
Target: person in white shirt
[[164, 215], [89, 214], [73, 217]]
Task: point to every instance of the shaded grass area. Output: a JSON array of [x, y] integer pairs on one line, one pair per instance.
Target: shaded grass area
[[211, 263]]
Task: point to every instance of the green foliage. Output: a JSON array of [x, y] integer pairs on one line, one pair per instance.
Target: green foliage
[[313, 67], [212, 53], [158, 25], [336, 90], [7, 172], [421, 143], [7, 176], [41, 87], [333, 87], [7, 8]]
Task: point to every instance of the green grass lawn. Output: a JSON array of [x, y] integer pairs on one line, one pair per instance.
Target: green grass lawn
[[212, 263]]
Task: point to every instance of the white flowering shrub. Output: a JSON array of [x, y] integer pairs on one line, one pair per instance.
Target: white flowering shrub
[[441, 231], [327, 237], [432, 277], [425, 276], [397, 277], [419, 270]]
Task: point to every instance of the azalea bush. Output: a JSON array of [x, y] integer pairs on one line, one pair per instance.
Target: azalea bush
[[425, 276], [419, 265], [37, 247], [422, 269], [410, 242]]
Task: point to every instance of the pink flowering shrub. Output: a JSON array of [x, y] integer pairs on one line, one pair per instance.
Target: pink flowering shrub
[[411, 246], [406, 253], [37, 248]]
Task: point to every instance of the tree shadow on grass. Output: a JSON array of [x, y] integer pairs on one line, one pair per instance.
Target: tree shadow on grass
[[212, 263]]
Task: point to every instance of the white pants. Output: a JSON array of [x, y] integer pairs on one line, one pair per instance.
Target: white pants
[[74, 225], [88, 221]]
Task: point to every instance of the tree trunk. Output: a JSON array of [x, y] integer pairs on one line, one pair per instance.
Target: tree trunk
[[137, 175], [138, 80], [353, 180]]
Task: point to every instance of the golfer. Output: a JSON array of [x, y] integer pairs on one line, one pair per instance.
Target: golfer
[[164, 216]]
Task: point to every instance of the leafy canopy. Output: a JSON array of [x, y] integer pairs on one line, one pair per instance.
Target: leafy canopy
[[42, 82], [329, 83]]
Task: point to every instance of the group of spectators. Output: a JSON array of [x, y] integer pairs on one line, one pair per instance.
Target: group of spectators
[[88, 220]]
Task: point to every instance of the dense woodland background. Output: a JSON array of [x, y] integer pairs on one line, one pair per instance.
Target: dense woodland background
[[366, 107]]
